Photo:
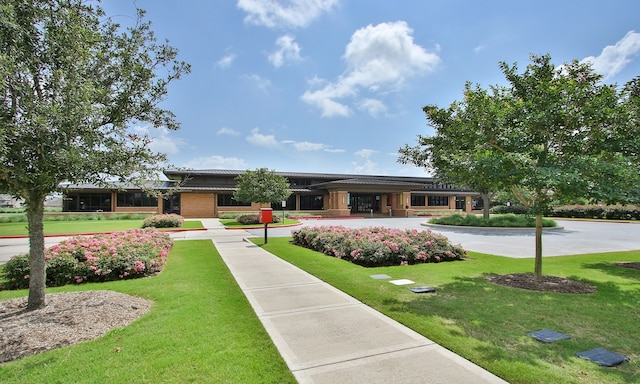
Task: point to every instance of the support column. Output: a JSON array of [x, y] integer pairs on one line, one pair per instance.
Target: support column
[[338, 203]]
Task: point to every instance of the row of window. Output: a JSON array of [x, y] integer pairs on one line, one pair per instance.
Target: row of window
[[307, 202], [433, 201], [78, 202]]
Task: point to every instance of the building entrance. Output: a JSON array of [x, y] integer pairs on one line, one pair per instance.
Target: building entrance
[[365, 202], [171, 204]]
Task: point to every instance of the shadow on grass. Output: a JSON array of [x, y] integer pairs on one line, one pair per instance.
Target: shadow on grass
[[488, 324], [615, 270]]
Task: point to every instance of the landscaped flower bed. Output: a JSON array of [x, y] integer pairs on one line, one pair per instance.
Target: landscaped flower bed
[[170, 220], [378, 246], [104, 257]]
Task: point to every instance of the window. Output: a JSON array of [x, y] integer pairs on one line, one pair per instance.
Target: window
[[310, 202], [438, 201], [417, 201], [291, 204], [136, 199], [87, 202], [227, 200]]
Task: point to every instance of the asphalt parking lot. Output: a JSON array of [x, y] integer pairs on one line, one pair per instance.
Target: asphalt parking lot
[[575, 237]]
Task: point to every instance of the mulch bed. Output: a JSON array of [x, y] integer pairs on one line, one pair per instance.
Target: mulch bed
[[629, 265], [548, 284]]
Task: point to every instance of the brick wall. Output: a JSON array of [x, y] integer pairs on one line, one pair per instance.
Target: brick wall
[[197, 205]]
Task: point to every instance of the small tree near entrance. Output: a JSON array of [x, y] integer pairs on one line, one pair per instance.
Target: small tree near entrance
[[261, 186]]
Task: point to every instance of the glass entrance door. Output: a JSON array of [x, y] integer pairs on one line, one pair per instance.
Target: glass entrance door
[[365, 202], [171, 204]]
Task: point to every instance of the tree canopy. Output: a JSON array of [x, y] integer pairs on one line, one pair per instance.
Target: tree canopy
[[552, 132], [72, 83], [261, 186], [459, 153]]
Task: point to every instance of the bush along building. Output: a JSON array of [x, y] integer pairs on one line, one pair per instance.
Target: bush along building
[[209, 193]]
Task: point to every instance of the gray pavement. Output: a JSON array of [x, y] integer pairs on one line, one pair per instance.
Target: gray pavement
[[573, 238]]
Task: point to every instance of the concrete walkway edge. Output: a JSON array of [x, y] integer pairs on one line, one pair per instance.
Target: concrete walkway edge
[[327, 336]]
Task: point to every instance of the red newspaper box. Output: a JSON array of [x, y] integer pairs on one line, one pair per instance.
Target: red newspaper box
[[266, 215]]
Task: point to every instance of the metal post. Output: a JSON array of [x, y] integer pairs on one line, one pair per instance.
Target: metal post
[[265, 232]]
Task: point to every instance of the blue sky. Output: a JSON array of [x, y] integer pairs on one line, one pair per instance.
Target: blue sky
[[337, 86]]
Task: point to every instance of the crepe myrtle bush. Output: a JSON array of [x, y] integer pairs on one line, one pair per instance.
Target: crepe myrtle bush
[[163, 221], [103, 257], [254, 219], [378, 246]]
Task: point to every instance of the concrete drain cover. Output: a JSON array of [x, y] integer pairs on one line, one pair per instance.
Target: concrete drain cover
[[402, 282], [380, 277]]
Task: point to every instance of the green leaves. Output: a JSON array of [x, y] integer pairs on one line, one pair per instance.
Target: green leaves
[[261, 186]]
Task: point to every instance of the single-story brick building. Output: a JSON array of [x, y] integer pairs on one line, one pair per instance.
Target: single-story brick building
[[209, 193]]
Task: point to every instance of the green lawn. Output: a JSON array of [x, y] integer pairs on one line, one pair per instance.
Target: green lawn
[[201, 329], [487, 323], [82, 226]]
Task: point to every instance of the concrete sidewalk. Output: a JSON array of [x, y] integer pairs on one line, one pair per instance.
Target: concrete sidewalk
[[326, 336]]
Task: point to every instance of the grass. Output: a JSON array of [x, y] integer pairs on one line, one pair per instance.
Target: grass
[[509, 220], [488, 324], [201, 329], [79, 227], [232, 223]]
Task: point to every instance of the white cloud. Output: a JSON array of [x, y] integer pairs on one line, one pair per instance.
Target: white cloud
[[258, 139], [216, 162], [288, 50], [614, 58], [228, 132], [226, 61], [364, 164], [292, 13], [161, 141], [364, 153], [378, 59], [479, 48], [306, 146], [374, 107], [260, 82]]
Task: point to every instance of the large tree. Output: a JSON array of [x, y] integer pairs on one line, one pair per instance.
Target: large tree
[[261, 186], [459, 152], [72, 83], [564, 134]]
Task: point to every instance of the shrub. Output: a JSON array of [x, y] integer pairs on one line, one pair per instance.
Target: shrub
[[612, 212], [515, 209], [104, 257], [378, 246], [254, 219], [163, 221], [507, 221]]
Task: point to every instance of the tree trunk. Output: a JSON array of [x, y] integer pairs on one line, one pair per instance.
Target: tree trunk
[[538, 262], [37, 271], [486, 205]]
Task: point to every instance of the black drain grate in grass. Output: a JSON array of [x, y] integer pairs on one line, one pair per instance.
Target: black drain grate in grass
[[422, 289], [548, 335], [603, 357]]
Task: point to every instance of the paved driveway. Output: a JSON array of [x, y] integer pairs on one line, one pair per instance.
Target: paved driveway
[[575, 237]]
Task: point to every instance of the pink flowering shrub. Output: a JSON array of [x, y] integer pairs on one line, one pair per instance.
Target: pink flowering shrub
[[104, 257], [170, 220], [378, 246]]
